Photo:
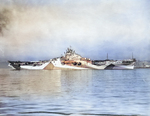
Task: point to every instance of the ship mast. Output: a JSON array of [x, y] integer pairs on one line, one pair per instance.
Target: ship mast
[[107, 56]]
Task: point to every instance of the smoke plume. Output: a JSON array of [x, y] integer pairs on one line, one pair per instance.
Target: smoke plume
[[36, 30]]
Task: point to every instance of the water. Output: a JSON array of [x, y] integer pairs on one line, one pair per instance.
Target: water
[[74, 92]]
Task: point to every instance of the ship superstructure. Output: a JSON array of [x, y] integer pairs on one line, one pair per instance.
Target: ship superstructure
[[72, 60]]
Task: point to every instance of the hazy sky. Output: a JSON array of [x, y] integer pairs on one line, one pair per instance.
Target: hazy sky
[[43, 29]]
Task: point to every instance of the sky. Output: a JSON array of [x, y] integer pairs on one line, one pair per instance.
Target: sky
[[44, 29]]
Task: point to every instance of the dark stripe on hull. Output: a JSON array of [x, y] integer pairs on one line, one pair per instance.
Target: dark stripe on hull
[[15, 65], [110, 67]]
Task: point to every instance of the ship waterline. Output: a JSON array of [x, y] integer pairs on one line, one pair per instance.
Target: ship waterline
[[72, 60]]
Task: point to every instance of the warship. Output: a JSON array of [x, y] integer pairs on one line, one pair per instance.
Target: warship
[[72, 60]]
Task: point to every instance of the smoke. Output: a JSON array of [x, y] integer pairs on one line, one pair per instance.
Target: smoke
[[35, 30], [4, 19]]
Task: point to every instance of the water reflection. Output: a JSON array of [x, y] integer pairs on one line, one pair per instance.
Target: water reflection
[[29, 83], [74, 92], [76, 81]]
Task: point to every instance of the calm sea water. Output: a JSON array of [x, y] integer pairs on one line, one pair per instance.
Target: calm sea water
[[74, 92]]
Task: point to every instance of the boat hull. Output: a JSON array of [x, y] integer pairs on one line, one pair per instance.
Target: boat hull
[[58, 65], [120, 67], [22, 65]]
